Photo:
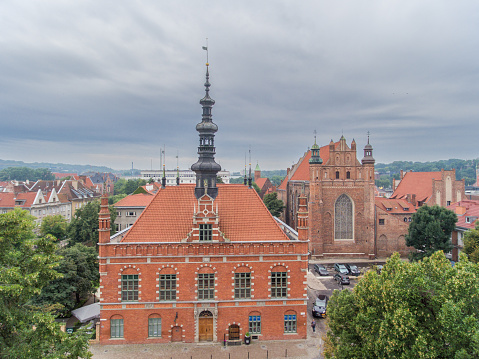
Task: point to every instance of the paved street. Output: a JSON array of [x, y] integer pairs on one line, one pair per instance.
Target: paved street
[[298, 349]]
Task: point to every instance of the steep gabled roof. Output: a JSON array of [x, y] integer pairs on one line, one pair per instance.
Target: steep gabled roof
[[7, 199], [395, 206], [261, 182], [169, 216], [418, 183], [466, 211], [135, 200]]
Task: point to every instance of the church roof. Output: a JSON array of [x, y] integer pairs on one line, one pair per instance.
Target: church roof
[[418, 183], [395, 206], [169, 217], [261, 182]]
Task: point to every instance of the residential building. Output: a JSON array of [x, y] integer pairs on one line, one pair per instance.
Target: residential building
[[467, 212], [129, 209], [186, 176]]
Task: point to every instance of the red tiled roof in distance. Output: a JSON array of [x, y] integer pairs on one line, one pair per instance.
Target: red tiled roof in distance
[[169, 216], [397, 206], [7, 199], [470, 208], [59, 175], [135, 200], [260, 182], [418, 183]]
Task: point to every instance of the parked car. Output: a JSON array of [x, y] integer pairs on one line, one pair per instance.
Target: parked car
[[340, 268], [353, 269], [319, 306], [320, 269], [341, 278]]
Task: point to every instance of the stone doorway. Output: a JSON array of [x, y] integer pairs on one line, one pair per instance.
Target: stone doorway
[[176, 334], [234, 332], [205, 326]]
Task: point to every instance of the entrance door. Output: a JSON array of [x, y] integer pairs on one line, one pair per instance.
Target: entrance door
[[233, 332], [205, 325], [176, 334]]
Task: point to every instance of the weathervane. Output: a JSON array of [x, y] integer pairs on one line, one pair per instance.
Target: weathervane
[[206, 49]]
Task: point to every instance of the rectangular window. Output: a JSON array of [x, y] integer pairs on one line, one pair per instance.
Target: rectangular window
[[255, 324], [242, 285], [129, 287], [206, 232], [381, 221], [116, 328], [118, 214], [167, 286], [290, 323], [130, 214], [279, 285], [154, 327], [206, 286]]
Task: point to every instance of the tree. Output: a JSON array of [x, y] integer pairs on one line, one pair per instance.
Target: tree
[[27, 264], [430, 230], [55, 225], [256, 187], [83, 227], [79, 267], [274, 205], [25, 173], [471, 243], [424, 309]]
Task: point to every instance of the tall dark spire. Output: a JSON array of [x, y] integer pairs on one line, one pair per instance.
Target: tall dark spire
[[368, 154], [206, 168]]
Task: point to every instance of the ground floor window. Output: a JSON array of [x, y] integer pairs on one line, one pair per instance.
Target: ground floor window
[[255, 324], [290, 323], [116, 328], [154, 327]]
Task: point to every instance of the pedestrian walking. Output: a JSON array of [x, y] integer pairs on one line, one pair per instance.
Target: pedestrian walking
[[313, 325]]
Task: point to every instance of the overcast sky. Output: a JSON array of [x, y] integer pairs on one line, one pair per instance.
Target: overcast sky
[[112, 82]]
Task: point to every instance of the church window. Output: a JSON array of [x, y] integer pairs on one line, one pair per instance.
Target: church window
[[337, 174], [206, 232], [348, 175], [343, 218]]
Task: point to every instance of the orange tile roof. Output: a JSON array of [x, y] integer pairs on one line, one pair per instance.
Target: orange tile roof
[[169, 216], [418, 183], [135, 200], [397, 206], [7, 199], [470, 209], [261, 182]]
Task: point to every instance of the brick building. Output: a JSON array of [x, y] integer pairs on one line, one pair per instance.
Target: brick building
[[264, 184], [203, 262]]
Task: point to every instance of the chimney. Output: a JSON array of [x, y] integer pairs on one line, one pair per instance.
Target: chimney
[[302, 218], [413, 199], [402, 174], [104, 221], [408, 198]]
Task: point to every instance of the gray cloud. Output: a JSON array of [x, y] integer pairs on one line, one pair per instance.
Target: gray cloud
[[111, 82]]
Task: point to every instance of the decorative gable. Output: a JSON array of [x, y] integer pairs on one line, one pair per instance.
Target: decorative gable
[[206, 222]]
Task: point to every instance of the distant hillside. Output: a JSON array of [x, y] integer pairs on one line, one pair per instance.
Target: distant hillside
[[56, 167]]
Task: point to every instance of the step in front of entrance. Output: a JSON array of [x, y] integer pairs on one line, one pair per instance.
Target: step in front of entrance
[[233, 342]]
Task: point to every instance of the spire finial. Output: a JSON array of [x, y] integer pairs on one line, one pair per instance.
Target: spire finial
[[250, 180], [206, 49], [314, 136], [368, 136]]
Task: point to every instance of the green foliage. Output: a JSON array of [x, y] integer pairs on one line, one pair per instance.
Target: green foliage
[[123, 186], [27, 264], [219, 179], [471, 243], [83, 227], [239, 180], [55, 225], [384, 182], [274, 205], [116, 198], [424, 309], [430, 231], [79, 267], [276, 180], [25, 173], [256, 187]]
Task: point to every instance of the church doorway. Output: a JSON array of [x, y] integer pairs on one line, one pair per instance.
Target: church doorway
[[205, 326], [234, 332], [176, 334]]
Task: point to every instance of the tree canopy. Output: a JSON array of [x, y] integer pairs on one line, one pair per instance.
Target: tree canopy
[[83, 227], [25, 173], [79, 268], [274, 205], [425, 309], [471, 243], [123, 186], [27, 264], [55, 225], [430, 230]]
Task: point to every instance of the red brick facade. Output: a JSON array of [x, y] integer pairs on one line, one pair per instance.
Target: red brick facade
[[241, 240]]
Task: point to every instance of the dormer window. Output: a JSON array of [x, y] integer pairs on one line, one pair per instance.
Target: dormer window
[[388, 209], [206, 232]]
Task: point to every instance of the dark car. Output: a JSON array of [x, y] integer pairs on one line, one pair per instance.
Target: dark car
[[353, 269], [341, 278], [340, 268], [319, 307], [320, 269]]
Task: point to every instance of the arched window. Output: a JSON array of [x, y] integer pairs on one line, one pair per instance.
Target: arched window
[[337, 174], [343, 218], [290, 322], [348, 175], [242, 283], [154, 326], [116, 326]]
